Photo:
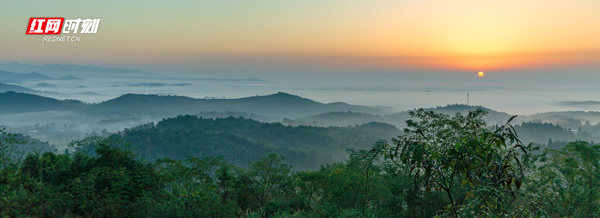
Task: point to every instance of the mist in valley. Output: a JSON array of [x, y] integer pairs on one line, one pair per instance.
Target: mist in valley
[[383, 102]]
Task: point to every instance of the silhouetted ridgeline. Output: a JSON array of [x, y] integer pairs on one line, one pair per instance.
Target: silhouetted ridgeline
[[9, 77], [62, 69], [14, 88], [276, 105]]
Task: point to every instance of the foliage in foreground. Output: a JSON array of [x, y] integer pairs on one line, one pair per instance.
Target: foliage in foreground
[[441, 166], [480, 171]]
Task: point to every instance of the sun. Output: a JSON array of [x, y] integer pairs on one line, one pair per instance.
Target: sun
[[480, 74]]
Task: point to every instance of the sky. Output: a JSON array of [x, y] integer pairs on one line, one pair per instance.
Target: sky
[[421, 44]]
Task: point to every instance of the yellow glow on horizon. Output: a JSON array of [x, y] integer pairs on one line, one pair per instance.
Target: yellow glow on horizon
[[480, 74], [446, 35]]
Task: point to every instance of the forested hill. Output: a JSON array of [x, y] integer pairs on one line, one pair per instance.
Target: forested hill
[[352, 118], [275, 105], [241, 140], [493, 117], [13, 102]]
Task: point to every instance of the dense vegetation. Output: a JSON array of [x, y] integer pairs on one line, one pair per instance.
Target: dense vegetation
[[241, 141], [442, 165]]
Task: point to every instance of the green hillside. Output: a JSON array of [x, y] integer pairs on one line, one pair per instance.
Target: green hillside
[[13, 102], [241, 140]]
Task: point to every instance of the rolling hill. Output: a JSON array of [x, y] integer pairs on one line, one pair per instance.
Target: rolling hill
[[15, 88], [13, 102], [242, 141], [275, 105], [351, 118]]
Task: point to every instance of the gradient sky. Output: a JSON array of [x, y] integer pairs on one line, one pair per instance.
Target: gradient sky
[[469, 35]]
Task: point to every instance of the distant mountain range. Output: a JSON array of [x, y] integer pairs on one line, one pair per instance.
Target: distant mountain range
[[287, 108], [251, 79], [579, 103], [9, 77], [66, 69], [294, 110], [350, 118], [13, 102], [276, 105], [66, 72], [157, 84], [280, 105], [14, 88]]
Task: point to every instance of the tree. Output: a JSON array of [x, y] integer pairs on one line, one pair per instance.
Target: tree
[[103, 179], [480, 170], [266, 183], [190, 187], [569, 180], [347, 189], [13, 147]]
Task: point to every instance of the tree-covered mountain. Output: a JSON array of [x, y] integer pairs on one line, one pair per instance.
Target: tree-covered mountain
[[13, 102], [543, 132], [276, 105], [567, 119], [242, 141], [215, 114], [337, 118], [352, 118], [493, 117], [293, 110]]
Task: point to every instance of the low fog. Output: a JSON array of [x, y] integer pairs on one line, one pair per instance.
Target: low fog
[[387, 96]]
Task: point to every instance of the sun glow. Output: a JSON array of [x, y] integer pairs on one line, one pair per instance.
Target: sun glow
[[480, 74]]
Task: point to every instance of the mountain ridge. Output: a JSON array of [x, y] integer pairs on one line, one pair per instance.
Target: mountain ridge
[[62, 70], [15, 88], [22, 102], [11, 77], [277, 105]]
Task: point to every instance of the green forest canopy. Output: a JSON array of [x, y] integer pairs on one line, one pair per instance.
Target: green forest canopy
[[441, 165]]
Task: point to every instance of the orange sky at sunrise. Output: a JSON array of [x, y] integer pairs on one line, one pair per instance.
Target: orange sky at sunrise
[[441, 35]]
